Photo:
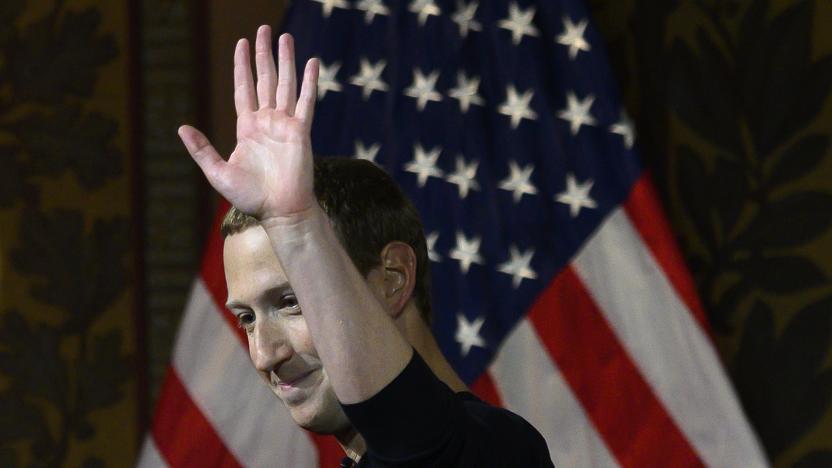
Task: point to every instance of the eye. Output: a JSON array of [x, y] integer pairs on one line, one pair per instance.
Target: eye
[[245, 320], [290, 302]]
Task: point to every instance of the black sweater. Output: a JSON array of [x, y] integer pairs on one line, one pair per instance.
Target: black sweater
[[417, 421]]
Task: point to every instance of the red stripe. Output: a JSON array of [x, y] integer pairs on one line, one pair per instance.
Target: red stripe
[[182, 434], [615, 396], [484, 388], [213, 272], [647, 216], [330, 453]]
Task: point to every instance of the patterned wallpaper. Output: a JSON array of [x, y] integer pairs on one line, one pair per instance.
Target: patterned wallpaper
[[733, 103], [67, 388]]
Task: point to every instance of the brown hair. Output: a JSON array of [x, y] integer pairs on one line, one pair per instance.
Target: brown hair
[[368, 211]]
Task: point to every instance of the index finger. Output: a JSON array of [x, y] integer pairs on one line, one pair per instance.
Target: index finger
[[244, 97]]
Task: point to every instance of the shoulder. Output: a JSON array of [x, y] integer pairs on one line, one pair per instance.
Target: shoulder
[[496, 418], [501, 430]]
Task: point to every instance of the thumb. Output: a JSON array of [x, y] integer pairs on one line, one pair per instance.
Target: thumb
[[203, 152]]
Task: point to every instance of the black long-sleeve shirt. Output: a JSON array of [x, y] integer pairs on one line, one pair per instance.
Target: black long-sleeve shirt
[[417, 421]]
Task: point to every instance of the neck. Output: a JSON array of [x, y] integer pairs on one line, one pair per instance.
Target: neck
[[419, 335], [352, 443]]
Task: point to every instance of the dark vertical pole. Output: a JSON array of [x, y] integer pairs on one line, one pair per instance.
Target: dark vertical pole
[[137, 187], [206, 200]]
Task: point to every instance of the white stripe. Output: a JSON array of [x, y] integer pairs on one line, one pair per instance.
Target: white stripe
[[668, 346], [218, 374], [531, 386], [150, 456]]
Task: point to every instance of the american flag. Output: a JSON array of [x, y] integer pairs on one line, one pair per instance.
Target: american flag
[[558, 290]]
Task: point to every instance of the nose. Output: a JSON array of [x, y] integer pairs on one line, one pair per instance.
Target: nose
[[268, 347]]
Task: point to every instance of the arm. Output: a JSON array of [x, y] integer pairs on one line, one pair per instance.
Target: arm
[[270, 175]]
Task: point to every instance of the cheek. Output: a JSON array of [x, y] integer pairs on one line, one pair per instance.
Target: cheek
[[321, 413], [300, 337]]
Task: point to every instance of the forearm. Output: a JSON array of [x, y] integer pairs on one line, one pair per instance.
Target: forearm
[[270, 172], [358, 343]]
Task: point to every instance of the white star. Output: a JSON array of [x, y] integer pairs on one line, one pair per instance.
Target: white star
[[576, 195], [518, 181], [326, 79], [517, 106], [468, 333], [424, 8], [466, 92], [624, 127], [464, 176], [464, 17], [577, 112], [329, 5], [431, 241], [369, 78], [467, 251], [573, 36], [371, 8], [518, 267], [424, 164], [363, 152], [422, 88], [519, 22]]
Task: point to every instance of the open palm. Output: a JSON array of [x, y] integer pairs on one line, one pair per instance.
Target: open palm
[[269, 173]]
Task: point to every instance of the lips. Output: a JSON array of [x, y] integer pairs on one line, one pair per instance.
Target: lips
[[288, 383]]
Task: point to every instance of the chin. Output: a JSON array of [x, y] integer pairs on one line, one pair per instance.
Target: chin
[[321, 414]]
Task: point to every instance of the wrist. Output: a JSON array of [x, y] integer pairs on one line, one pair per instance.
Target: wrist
[[295, 219], [296, 229], [295, 236]]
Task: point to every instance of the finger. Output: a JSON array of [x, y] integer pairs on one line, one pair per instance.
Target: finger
[[266, 72], [203, 153], [244, 98], [287, 76], [308, 93]]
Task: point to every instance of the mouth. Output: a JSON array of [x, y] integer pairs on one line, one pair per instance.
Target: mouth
[[294, 381]]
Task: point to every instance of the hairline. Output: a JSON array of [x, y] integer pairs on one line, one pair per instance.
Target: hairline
[[249, 225]]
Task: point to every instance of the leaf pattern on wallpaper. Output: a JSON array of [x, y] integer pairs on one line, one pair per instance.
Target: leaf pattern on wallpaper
[[47, 69], [728, 98], [57, 369], [750, 92]]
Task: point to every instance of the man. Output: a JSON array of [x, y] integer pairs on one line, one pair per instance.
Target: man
[[339, 334]]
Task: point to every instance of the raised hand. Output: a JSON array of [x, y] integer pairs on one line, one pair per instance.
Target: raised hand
[[269, 173]]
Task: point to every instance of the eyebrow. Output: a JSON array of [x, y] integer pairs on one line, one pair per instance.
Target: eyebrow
[[273, 291]]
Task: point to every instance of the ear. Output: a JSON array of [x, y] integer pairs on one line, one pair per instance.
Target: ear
[[398, 268]]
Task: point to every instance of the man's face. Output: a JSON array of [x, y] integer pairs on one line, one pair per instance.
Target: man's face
[[279, 342]]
